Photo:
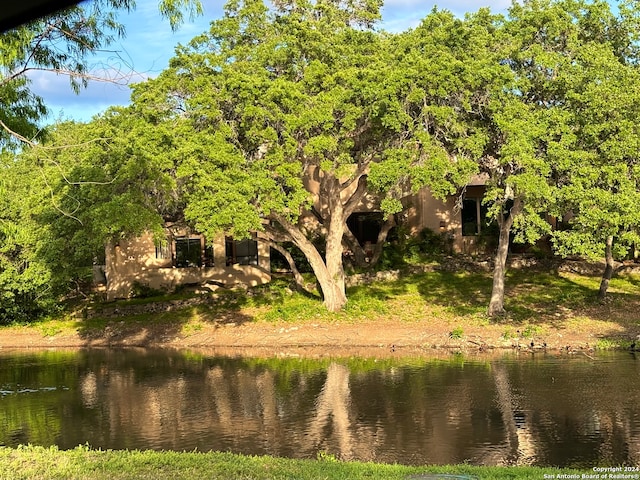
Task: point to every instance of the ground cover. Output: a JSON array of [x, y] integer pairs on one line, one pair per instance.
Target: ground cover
[[418, 312], [28, 463]]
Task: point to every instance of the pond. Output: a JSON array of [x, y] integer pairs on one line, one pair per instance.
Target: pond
[[545, 410]]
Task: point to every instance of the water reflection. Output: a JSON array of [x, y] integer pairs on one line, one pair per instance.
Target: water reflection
[[540, 411]]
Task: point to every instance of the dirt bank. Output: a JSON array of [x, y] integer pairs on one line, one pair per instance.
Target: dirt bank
[[367, 338]]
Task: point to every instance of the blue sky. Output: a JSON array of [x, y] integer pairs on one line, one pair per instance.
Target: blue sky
[[150, 43]]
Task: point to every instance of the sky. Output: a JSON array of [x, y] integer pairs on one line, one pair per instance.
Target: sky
[[150, 43]]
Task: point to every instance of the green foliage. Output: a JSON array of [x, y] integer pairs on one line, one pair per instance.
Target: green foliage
[[509, 333], [48, 193], [67, 203], [530, 331], [429, 242], [281, 106], [404, 249], [141, 290], [457, 333], [61, 43], [25, 278], [612, 344]]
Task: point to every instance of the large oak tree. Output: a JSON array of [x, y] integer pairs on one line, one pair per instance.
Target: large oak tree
[[566, 117], [284, 114]]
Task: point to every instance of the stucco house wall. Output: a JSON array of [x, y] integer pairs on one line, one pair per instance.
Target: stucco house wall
[[142, 261]]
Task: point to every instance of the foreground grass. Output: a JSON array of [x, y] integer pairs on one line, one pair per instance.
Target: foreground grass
[[83, 463]]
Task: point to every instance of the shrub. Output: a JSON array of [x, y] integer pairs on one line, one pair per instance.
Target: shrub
[[142, 290]]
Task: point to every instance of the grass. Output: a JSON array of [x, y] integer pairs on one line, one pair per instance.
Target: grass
[[457, 333], [538, 304], [26, 463]]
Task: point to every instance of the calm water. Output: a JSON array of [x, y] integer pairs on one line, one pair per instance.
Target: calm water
[[542, 410]]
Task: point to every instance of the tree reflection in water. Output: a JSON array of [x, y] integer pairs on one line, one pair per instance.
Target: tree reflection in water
[[542, 410]]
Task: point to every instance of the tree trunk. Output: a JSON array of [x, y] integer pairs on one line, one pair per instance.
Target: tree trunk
[[292, 265], [608, 269], [359, 255], [333, 294], [329, 271], [335, 232], [496, 303]]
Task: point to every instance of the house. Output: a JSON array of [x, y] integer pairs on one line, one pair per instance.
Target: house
[[462, 217], [183, 258], [188, 258]]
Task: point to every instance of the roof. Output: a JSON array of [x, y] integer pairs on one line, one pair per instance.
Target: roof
[[478, 180]]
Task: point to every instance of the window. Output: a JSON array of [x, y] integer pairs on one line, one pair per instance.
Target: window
[[242, 252], [163, 252], [474, 215], [188, 252], [365, 226], [208, 255]]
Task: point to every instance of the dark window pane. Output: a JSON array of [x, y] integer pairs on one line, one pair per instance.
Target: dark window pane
[[208, 255], [188, 253], [243, 252], [470, 217], [365, 226]]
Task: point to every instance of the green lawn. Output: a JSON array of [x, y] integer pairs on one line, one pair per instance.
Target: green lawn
[[538, 305], [85, 464]]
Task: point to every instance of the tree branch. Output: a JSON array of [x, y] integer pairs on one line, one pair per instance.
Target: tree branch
[[276, 235], [17, 135], [355, 198], [314, 211], [363, 169], [292, 265]]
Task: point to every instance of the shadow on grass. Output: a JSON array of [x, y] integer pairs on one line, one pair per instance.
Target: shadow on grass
[[531, 297], [461, 292], [148, 322], [154, 320], [535, 297]]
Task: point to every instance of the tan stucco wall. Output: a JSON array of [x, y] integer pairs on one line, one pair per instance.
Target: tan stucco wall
[[133, 261], [440, 216], [423, 210]]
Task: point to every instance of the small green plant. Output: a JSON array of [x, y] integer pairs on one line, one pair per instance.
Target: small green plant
[[612, 344], [508, 334], [192, 327], [323, 456], [530, 332], [50, 329], [456, 333], [432, 243], [141, 290]]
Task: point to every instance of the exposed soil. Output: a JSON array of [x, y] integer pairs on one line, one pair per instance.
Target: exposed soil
[[560, 330], [367, 338]]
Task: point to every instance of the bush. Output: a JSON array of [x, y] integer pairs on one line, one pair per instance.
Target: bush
[[432, 243], [404, 248], [142, 290]]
